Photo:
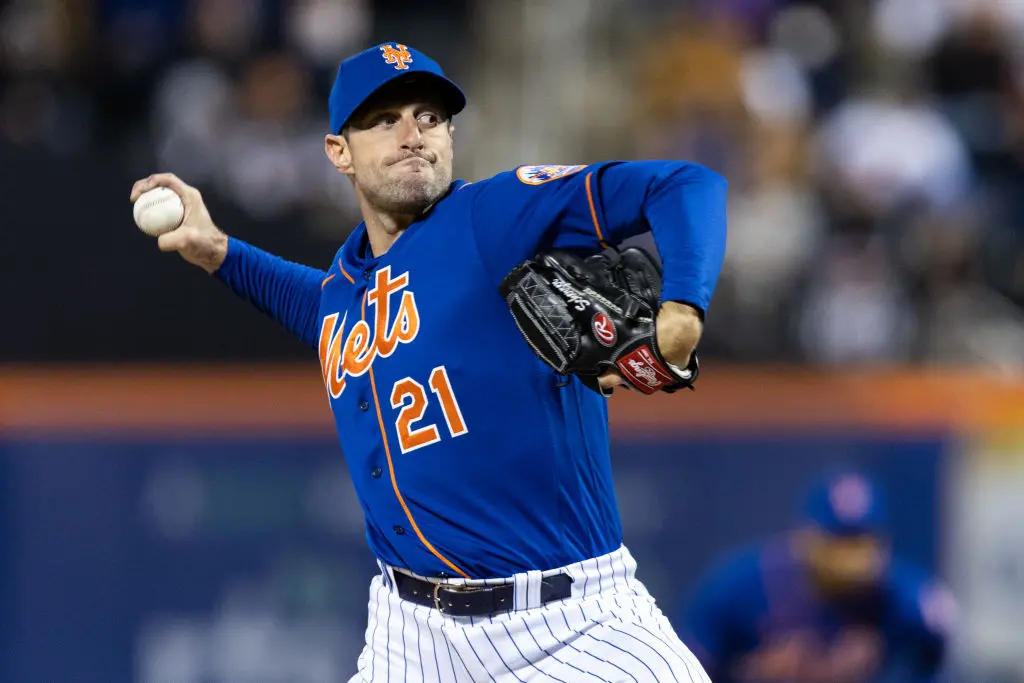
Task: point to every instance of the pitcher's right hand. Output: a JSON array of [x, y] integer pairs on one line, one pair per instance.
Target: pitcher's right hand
[[197, 239]]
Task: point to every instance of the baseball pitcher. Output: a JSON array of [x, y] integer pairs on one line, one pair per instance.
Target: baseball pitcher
[[468, 334]]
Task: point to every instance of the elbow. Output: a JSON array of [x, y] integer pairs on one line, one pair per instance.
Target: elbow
[[698, 183], [712, 178], [710, 190], [670, 176], [716, 186], [690, 173]]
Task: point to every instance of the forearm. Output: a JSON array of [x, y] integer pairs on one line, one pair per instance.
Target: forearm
[[686, 211], [683, 205], [288, 292]]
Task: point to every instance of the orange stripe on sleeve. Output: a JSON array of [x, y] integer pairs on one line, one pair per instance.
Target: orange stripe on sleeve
[[593, 211], [394, 481], [327, 279], [342, 269]]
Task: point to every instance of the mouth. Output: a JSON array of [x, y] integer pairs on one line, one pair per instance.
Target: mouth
[[414, 161]]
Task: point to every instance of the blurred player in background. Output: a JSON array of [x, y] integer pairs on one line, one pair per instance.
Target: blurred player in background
[[824, 603]]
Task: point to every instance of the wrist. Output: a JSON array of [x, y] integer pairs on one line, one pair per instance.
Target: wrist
[[678, 331], [684, 309], [220, 250]]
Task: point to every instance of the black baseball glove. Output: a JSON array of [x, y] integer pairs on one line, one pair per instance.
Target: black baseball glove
[[585, 316]]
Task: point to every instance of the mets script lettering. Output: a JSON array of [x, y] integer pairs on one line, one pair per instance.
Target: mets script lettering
[[342, 356]]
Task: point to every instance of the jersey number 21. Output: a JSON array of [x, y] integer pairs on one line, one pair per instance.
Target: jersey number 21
[[411, 397]]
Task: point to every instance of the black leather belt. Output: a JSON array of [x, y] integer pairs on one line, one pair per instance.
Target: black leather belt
[[475, 601]]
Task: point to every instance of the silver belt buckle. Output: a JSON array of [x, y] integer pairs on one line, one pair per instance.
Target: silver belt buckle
[[457, 588], [437, 599]]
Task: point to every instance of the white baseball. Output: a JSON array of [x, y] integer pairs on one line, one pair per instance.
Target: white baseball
[[158, 211]]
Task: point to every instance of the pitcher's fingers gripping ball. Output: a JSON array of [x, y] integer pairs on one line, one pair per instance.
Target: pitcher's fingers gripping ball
[[174, 212]]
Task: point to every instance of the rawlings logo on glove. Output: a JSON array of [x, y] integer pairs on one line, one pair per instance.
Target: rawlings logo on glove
[[604, 330], [586, 316]]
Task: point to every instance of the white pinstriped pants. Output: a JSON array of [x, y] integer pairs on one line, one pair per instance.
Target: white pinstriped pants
[[609, 630]]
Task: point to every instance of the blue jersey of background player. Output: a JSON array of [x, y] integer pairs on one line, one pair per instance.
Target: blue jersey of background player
[[827, 603], [473, 460]]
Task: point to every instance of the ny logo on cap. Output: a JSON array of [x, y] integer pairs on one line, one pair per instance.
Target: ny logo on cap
[[396, 54]]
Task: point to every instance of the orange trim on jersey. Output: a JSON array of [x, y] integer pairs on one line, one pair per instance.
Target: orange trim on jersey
[[342, 269], [328, 279], [394, 481], [593, 211]]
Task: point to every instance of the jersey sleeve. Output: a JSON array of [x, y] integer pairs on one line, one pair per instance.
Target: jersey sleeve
[[716, 622], [519, 213], [924, 620], [288, 292]]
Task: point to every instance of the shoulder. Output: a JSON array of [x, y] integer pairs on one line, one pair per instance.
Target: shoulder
[[907, 580], [533, 174], [346, 253], [334, 270], [338, 254], [524, 177], [541, 174], [511, 194]]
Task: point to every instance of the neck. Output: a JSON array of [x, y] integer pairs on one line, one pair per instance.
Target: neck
[[383, 229]]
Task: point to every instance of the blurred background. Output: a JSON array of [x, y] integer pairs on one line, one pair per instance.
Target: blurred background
[[174, 506]]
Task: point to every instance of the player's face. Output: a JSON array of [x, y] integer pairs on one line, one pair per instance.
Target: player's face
[[398, 151], [845, 563]]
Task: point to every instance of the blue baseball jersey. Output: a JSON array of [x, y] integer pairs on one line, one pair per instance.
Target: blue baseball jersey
[[469, 456], [762, 595]]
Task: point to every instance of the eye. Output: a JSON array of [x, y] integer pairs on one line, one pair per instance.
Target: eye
[[429, 119], [384, 120]]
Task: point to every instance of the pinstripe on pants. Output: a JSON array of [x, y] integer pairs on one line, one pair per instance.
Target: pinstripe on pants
[[609, 630]]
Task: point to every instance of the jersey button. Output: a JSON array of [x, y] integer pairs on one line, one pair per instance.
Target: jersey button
[[364, 406], [376, 472], [367, 274], [398, 530]]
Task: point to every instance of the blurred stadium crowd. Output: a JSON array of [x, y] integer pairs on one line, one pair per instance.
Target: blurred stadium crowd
[[875, 153], [227, 93], [875, 149]]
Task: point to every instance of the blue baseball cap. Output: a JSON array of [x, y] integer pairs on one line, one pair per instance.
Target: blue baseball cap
[[845, 503], [363, 74]]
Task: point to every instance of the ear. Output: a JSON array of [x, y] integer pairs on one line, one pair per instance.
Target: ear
[[338, 150]]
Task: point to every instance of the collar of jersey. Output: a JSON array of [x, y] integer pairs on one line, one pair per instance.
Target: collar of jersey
[[352, 253]]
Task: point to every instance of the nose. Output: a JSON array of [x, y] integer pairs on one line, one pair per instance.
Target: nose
[[410, 135]]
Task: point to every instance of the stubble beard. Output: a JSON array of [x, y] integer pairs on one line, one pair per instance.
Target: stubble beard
[[411, 194]]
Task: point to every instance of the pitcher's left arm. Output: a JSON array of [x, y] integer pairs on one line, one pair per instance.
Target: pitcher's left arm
[[520, 213]]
